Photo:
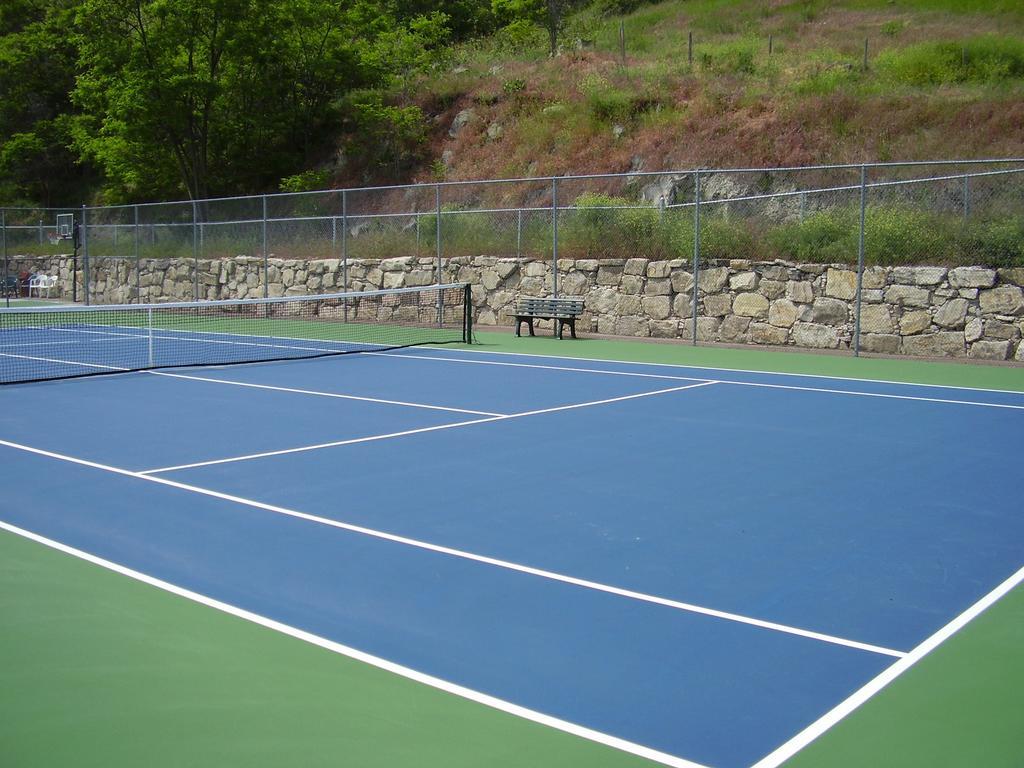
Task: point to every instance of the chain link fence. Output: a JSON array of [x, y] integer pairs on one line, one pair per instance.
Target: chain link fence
[[897, 214]]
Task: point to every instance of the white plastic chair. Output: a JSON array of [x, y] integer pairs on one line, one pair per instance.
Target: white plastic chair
[[41, 282]]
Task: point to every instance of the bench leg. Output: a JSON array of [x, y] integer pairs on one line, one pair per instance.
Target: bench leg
[[519, 325], [572, 327], [559, 325], [529, 324]]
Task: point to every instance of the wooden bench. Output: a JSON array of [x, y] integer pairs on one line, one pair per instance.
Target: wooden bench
[[562, 311]]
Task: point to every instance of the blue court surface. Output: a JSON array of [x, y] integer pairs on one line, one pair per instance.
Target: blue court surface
[[694, 564]]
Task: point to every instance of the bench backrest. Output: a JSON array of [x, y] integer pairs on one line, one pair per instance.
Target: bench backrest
[[551, 306]]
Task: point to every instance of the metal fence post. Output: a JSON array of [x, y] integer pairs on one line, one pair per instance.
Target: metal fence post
[[40, 231], [967, 198], [195, 254], [440, 295], [519, 232], [554, 237], [803, 206], [85, 255], [344, 250], [138, 261], [860, 258], [7, 266], [266, 258], [696, 248]]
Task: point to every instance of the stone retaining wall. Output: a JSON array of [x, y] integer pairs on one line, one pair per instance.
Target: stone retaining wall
[[925, 311]]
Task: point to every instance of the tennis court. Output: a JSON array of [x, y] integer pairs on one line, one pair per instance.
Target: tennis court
[[627, 563]]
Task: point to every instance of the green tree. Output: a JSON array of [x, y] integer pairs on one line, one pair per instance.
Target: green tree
[[550, 14]]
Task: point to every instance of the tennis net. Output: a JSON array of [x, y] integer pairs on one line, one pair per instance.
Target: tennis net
[[46, 343]]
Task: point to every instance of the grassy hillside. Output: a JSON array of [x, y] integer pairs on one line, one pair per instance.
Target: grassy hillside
[[945, 78]]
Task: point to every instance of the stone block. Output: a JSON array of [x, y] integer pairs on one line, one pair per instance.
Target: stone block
[[771, 289], [815, 335], [601, 300], [635, 267], [972, 277], [775, 272], [506, 268], [800, 291], [744, 281], [974, 329], [915, 322], [907, 295], [996, 329], [632, 326], [713, 280], [918, 275], [532, 286], [882, 343], [734, 329], [682, 281], [535, 269], [829, 311], [1012, 275], [631, 284], [682, 305], [945, 344], [968, 293], [1005, 300], [609, 275], [659, 269], [763, 333], [750, 305], [873, 296], [952, 314], [657, 307], [573, 284], [658, 287], [707, 328], [990, 350], [664, 329], [396, 265], [627, 305], [874, 278], [718, 305], [606, 324], [875, 319], [841, 283], [783, 313], [489, 279]]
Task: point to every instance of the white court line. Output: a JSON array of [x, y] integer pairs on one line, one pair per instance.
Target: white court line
[[323, 394], [685, 366], [723, 381], [198, 339], [435, 428], [471, 556], [66, 362], [831, 718], [363, 657]]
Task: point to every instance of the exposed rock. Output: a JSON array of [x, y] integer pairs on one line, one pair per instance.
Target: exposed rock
[[771, 289], [973, 330], [841, 283], [682, 282], [632, 326], [609, 275], [972, 277], [601, 300], [707, 328], [664, 329], [495, 131], [990, 350], [662, 287], [783, 313], [1012, 275], [996, 329], [635, 267], [815, 335], [750, 305], [945, 344], [682, 305], [631, 284], [713, 280], [1005, 300], [657, 307], [874, 278], [460, 122]]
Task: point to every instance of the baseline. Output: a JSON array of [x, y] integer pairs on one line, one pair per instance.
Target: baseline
[[464, 555]]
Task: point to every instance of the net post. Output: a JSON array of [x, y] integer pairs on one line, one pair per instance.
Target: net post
[[696, 249], [149, 325], [266, 262], [40, 225], [860, 259], [85, 255], [467, 314], [138, 261], [554, 237]]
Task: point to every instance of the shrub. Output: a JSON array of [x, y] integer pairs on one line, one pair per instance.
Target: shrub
[[986, 60]]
